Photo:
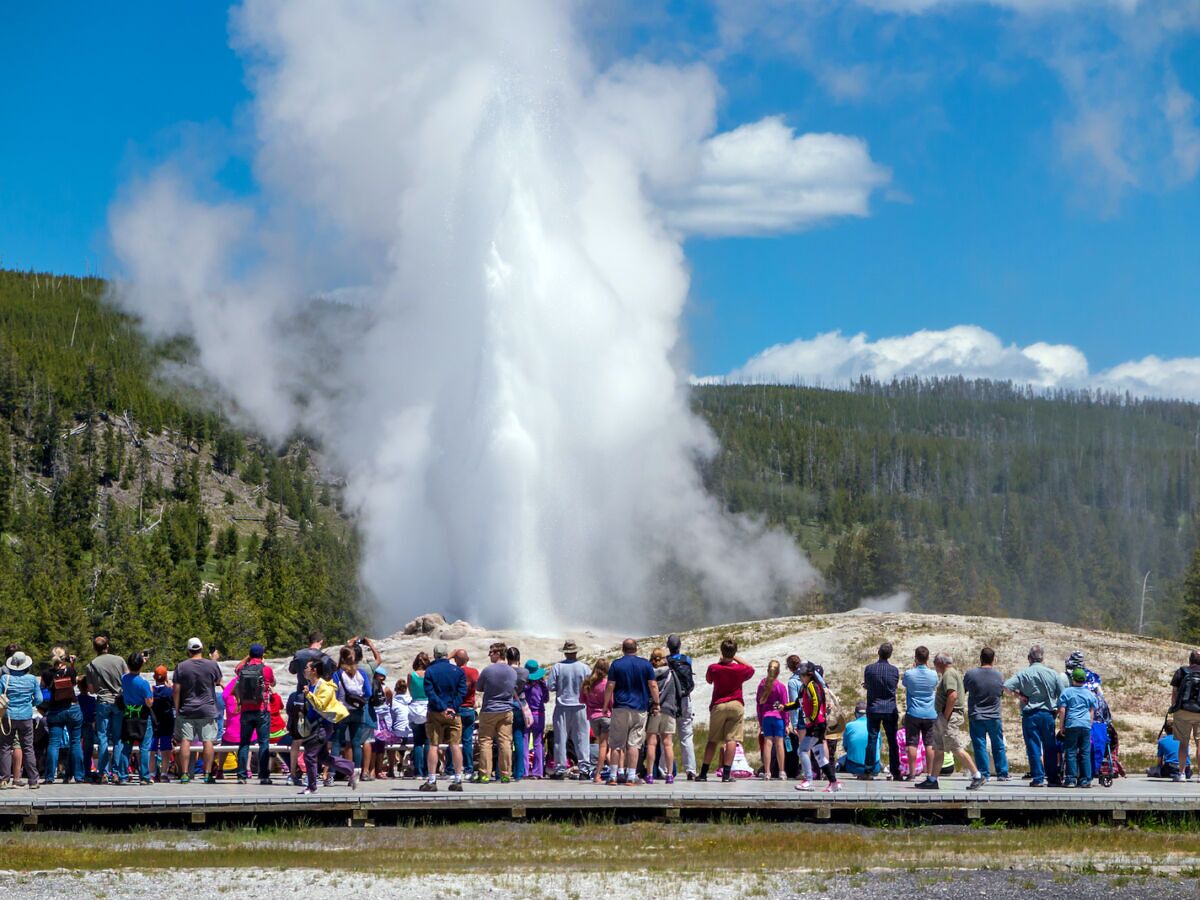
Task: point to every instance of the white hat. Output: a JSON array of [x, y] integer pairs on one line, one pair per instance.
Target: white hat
[[18, 662], [194, 644]]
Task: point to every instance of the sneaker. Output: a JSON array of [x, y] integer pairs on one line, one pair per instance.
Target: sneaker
[[1037, 784], [778, 778], [865, 777], [1084, 784], [456, 786], [482, 779], [264, 782], [702, 777], [622, 778], [691, 776], [242, 779], [762, 776], [185, 779], [1178, 779], [804, 785], [727, 776], [7, 785], [429, 787], [329, 780], [927, 785], [308, 790], [976, 784], [34, 785], [557, 775], [504, 779], [833, 787], [670, 779], [208, 779], [649, 779], [352, 781], [1003, 779]]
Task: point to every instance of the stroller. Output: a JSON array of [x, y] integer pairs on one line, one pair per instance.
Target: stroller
[[1106, 759]]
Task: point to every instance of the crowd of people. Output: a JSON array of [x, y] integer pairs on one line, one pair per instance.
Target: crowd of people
[[119, 721]]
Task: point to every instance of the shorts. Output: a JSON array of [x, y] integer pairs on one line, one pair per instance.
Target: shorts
[[726, 722], [441, 728], [948, 735], [600, 727], [1187, 728], [915, 728], [771, 727], [660, 723], [158, 743], [200, 729], [628, 729]]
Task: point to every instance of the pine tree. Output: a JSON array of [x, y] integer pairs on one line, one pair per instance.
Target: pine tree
[[1190, 601], [6, 477]]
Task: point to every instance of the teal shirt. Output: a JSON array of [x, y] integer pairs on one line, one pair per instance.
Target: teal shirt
[[1041, 685], [24, 693]]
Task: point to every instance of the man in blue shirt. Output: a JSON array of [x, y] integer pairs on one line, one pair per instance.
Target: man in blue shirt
[[135, 729], [880, 679], [1038, 687], [446, 687], [920, 683], [632, 693]]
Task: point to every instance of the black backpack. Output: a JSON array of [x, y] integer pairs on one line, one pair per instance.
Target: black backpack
[[1188, 698], [251, 684], [682, 670]]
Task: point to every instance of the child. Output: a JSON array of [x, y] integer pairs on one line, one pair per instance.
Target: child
[[296, 708], [162, 751], [401, 725], [324, 712], [381, 703], [87, 708], [1076, 710]]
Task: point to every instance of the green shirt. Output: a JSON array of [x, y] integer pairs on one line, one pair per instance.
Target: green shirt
[[950, 681]]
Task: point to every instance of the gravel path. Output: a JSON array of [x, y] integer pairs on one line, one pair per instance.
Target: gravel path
[[198, 884]]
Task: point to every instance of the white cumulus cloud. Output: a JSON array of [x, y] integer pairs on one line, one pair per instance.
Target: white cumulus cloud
[[834, 359]]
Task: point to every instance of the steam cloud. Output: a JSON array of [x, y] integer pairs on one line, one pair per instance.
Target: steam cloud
[[499, 384]]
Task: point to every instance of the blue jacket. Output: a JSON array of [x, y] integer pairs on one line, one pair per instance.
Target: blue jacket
[[445, 685]]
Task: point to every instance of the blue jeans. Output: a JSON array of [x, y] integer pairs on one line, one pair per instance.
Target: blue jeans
[[983, 730], [468, 717], [1038, 730], [1077, 751], [108, 735], [125, 752], [65, 726], [257, 722]]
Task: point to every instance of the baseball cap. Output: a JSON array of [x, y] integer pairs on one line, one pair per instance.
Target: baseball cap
[[257, 649], [440, 651], [160, 673], [1079, 675], [381, 671], [194, 644]]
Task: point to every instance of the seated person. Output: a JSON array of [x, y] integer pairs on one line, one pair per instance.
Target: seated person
[[1167, 764], [854, 739]]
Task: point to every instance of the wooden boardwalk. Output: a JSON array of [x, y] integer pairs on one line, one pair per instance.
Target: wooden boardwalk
[[399, 800]]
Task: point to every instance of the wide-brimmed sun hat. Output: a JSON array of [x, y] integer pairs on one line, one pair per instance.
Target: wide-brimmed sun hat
[[18, 662], [536, 672]]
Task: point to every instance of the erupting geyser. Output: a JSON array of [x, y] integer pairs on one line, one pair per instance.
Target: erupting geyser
[[498, 383]]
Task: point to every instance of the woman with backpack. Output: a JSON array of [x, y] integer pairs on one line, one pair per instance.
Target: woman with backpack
[[661, 726], [21, 692], [64, 716], [814, 709], [354, 692]]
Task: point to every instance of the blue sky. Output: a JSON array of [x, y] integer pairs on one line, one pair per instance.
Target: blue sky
[[1043, 185]]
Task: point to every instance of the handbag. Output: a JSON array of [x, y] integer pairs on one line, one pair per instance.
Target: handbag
[[5, 721]]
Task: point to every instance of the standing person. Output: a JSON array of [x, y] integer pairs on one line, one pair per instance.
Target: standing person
[[496, 685], [949, 702], [138, 700], [593, 690], [324, 712], [381, 706], [1185, 706], [880, 679], [24, 691], [87, 733], [797, 767], [316, 640], [685, 680], [195, 695], [772, 694], [418, 707], [985, 686], [1038, 688], [536, 695], [104, 681], [64, 716], [1076, 712], [254, 680], [401, 726], [630, 698], [446, 686], [354, 692], [920, 715], [521, 721], [162, 715], [815, 709], [660, 726], [570, 713], [727, 711], [467, 713]]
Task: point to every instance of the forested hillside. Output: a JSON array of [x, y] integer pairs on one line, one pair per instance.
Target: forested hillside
[[978, 497], [130, 507]]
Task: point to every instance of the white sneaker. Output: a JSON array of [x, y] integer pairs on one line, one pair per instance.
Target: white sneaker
[[804, 786], [833, 787]]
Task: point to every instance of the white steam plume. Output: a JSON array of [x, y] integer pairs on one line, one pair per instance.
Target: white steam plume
[[498, 385]]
